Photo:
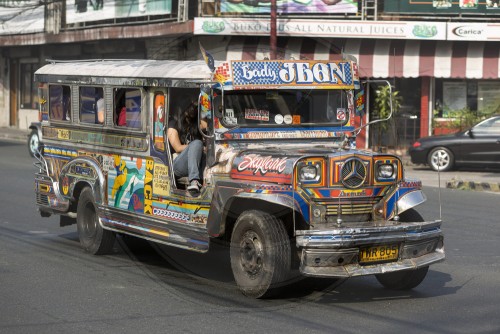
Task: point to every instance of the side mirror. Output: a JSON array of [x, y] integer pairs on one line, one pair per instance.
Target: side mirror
[[361, 97], [470, 133]]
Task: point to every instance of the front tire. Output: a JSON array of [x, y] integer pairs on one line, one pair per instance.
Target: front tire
[[93, 238], [33, 143], [406, 279], [260, 254], [441, 159]]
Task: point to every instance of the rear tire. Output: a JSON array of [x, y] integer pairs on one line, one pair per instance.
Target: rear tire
[[260, 254], [406, 279], [93, 238], [441, 159]]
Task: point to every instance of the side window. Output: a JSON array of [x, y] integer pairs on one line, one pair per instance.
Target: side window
[[489, 126], [92, 106], [59, 103], [128, 106]]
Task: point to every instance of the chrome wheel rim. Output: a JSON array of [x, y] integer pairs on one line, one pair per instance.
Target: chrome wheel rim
[[34, 142], [251, 253], [440, 159]]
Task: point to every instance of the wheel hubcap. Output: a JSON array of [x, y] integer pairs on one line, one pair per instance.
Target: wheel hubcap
[[34, 143], [440, 159], [251, 253]]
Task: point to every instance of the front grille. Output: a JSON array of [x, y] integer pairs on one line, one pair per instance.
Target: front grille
[[42, 200], [353, 207], [349, 209]]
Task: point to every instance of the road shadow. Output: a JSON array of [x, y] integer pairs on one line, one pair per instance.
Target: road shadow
[[367, 289], [207, 278]]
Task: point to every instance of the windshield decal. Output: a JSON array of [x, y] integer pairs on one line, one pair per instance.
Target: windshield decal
[[229, 119], [296, 119], [341, 115], [257, 115]]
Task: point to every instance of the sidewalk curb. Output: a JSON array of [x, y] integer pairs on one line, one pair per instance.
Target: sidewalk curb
[[13, 134], [471, 185]]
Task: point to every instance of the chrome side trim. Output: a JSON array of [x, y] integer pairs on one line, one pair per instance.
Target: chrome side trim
[[188, 236]]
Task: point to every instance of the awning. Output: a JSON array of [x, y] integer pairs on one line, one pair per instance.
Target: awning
[[26, 19], [378, 58]]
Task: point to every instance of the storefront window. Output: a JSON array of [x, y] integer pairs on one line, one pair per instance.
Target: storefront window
[[28, 89], [456, 97], [488, 97]]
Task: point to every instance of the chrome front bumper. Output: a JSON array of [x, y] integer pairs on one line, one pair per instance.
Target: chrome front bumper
[[335, 252]]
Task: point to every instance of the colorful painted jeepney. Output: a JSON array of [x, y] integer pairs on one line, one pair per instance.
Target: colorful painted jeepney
[[284, 183]]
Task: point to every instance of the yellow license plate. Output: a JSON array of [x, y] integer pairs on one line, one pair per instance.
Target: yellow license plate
[[379, 253], [62, 134]]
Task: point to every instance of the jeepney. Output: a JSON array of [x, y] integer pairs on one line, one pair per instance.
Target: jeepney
[[284, 184]]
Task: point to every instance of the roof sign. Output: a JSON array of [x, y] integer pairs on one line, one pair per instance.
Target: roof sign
[[294, 74]]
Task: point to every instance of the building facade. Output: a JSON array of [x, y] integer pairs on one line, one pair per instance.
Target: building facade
[[441, 56]]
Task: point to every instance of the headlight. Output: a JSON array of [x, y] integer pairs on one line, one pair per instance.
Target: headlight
[[308, 173], [385, 171]]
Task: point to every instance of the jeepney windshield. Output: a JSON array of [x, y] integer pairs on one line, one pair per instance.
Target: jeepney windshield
[[260, 108]]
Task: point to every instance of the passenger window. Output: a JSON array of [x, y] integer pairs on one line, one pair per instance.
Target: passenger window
[[59, 103], [127, 105], [92, 106]]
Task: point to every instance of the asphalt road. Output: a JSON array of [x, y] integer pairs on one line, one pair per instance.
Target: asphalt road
[[49, 285]]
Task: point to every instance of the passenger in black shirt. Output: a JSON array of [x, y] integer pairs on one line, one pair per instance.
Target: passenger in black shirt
[[186, 140]]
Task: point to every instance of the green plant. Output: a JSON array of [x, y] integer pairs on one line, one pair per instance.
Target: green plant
[[466, 118], [382, 108]]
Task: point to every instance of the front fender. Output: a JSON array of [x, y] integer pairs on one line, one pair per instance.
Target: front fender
[[410, 200], [231, 201], [408, 194], [37, 126]]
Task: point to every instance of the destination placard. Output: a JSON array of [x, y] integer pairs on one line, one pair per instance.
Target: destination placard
[[280, 73]]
